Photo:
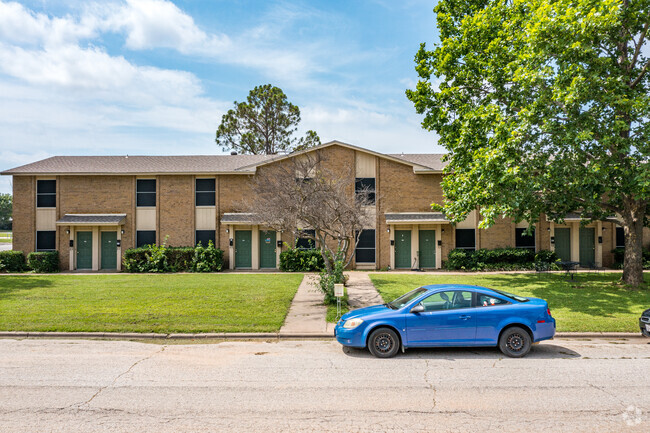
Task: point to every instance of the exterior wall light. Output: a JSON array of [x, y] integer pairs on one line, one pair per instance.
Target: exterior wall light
[[122, 231], [67, 232]]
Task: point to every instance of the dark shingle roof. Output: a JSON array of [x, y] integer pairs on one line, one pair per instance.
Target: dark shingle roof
[[139, 164], [431, 160], [242, 218], [94, 219], [392, 218]]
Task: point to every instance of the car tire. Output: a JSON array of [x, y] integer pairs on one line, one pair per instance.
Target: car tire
[[383, 343], [515, 342]]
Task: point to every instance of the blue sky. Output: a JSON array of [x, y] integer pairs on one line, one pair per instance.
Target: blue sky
[[155, 76]]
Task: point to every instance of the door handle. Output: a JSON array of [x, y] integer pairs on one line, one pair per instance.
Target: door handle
[[465, 317]]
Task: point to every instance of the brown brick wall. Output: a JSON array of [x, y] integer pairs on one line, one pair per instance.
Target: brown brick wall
[[500, 235], [176, 210], [24, 213]]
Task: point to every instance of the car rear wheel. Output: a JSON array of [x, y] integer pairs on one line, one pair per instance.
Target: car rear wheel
[[383, 343], [515, 342]]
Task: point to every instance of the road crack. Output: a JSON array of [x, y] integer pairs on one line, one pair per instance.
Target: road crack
[[430, 384], [128, 370]]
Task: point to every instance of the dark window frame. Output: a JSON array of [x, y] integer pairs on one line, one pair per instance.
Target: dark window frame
[[362, 248], [212, 238], [466, 247], [144, 194], [520, 236], [45, 196], [362, 182], [304, 243], [40, 247], [620, 237], [138, 243], [210, 193]]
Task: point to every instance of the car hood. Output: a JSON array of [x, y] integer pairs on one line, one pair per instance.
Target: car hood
[[646, 312], [365, 312]]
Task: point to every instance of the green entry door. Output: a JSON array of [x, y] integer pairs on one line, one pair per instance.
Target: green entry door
[[267, 249], [109, 250], [563, 244], [587, 246], [84, 250], [402, 249], [427, 248], [243, 249]]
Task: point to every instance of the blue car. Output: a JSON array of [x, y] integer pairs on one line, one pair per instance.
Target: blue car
[[449, 315]]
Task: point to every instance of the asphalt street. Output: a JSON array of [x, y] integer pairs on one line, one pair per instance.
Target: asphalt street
[[122, 386]]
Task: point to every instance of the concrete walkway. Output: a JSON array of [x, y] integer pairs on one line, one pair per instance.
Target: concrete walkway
[[361, 292], [307, 312]]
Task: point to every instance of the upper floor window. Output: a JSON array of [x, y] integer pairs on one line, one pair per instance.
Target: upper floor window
[[205, 192], [523, 239], [466, 239], [146, 192], [620, 237], [365, 186], [46, 193]]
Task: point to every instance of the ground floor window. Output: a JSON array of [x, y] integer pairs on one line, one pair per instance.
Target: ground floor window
[[205, 236], [620, 237], [524, 240], [306, 243], [365, 252], [466, 239], [145, 237], [45, 240]]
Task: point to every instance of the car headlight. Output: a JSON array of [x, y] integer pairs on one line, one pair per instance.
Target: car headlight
[[352, 323]]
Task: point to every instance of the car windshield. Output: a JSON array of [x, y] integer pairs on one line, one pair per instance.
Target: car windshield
[[405, 299], [511, 296]]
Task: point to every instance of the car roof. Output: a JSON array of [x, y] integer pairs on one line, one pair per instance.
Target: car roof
[[436, 287]]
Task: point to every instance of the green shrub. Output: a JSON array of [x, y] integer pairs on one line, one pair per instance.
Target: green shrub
[[499, 259], [207, 259], [43, 262], [12, 261], [299, 260], [153, 258]]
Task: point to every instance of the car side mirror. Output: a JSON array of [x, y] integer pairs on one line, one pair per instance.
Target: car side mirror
[[419, 308]]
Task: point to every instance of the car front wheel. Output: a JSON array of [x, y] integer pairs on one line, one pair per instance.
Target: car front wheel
[[383, 343], [515, 342]]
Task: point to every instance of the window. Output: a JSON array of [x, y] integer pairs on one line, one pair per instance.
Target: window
[[306, 243], [466, 239], [45, 240], [145, 237], [146, 192], [620, 237], [523, 240], [450, 300], [365, 186], [489, 301], [46, 193], [205, 192], [365, 252], [205, 236]]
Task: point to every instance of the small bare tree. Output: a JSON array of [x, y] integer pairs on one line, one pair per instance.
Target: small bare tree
[[300, 194]]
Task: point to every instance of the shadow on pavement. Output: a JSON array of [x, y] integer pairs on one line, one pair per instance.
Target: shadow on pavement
[[538, 351]]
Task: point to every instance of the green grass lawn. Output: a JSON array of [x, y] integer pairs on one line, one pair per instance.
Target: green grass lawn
[[5, 236], [146, 303], [592, 303]]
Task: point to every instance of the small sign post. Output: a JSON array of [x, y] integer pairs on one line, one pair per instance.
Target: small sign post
[[338, 292]]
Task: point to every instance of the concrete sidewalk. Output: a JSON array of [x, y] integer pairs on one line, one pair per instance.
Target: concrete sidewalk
[[361, 292], [307, 313]]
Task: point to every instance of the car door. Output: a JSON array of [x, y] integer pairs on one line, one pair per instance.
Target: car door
[[490, 311], [447, 320]]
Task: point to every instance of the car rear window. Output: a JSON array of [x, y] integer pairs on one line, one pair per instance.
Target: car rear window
[[511, 296]]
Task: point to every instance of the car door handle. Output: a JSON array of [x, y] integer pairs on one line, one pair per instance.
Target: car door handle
[[464, 317]]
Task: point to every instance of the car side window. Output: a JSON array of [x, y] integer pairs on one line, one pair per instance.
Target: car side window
[[489, 301], [449, 300]]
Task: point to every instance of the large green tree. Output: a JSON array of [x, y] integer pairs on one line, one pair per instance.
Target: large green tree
[[6, 206], [264, 124], [543, 106]]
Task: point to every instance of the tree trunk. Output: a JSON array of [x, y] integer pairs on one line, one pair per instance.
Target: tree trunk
[[633, 229]]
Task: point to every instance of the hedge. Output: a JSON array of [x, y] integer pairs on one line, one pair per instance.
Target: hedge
[[153, 258], [499, 259], [12, 261], [43, 262], [619, 256], [299, 260]]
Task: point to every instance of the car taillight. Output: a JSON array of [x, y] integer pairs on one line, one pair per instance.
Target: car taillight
[[548, 311]]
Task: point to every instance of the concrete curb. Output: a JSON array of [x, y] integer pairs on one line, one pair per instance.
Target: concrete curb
[[251, 335]]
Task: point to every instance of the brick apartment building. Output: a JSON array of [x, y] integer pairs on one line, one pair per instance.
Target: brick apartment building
[[92, 208]]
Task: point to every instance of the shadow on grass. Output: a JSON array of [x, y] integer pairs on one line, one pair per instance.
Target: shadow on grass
[[12, 286], [538, 351]]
